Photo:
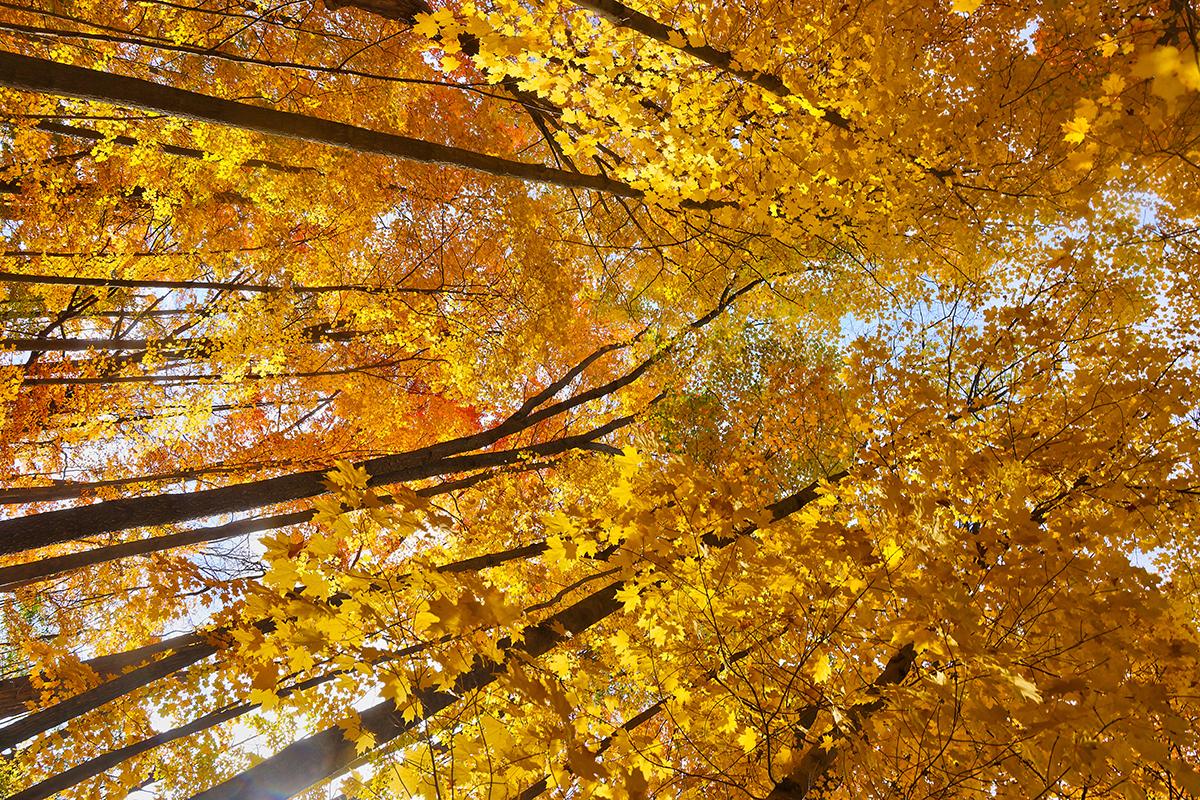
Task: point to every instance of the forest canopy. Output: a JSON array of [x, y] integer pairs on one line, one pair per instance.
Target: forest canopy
[[581, 399]]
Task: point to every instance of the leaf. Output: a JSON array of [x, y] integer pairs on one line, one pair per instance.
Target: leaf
[[822, 668], [1075, 131], [1025, 687]]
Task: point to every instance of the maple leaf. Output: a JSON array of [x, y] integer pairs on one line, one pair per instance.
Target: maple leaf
[[1075, 131], [1025, 687], [910, 385]]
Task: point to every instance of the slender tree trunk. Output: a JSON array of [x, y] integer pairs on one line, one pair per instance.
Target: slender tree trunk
[[170, 347], [320, 756], [76, 705], [96, 766], [405, 11], [191, 378], [189, 649], [32, 74], [623, 16], [17, 691], [812, 770], [19, 575], [79, 132], [631, 724], [74, 490], [225, 286], [52, 527], [129, 314]]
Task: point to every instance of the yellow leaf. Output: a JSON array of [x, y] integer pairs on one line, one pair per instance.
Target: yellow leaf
[[822, 669], [893, 554], [628, 461], [560, 665], [1027, 688], [560, 553], [282, 575], [622, 492], [628, 595], [423, 620], [1076, 130]]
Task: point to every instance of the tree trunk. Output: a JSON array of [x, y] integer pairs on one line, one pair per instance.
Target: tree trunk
[[53, 527], [18, 575], [311, 760], [94, 766], [32, 74], [812, 770], [261, 288], [16, 692], [66, 710]]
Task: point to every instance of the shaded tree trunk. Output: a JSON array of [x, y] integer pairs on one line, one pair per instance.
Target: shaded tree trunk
[[320, 756], [812, 771], [227, 286], [17, 691], [32, 74]]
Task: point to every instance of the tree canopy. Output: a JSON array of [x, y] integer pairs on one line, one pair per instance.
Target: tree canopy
[[495, 399]]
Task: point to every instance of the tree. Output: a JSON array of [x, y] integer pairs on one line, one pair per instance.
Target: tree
[[591, 399]]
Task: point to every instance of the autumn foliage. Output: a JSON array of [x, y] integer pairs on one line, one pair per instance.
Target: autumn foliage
[[575, 399]]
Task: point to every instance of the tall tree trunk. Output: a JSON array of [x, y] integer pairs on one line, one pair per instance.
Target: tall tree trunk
[[66, 710], [17, 691], [18, 575], [74, 490], [79, 132], [260, 288], [630, 725], [32, 74], [189, 651], [322, 755], [812, 771], [443, 458], [96, 766], [53, 527]]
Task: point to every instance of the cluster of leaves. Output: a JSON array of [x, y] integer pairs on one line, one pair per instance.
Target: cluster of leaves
[[581, 399]]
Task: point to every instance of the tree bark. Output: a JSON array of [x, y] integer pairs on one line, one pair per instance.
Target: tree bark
[[19, 575], [17, 691], [94, 766], [812, 770], [78, 132], [260, 288], [53, 527], [311, 760], [76, 705], [32, 74], [623, 16]]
